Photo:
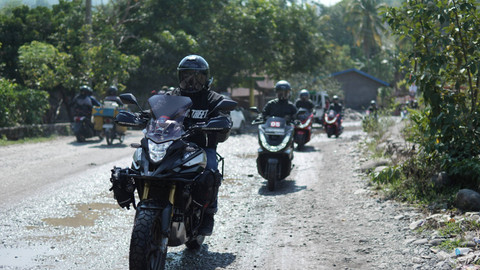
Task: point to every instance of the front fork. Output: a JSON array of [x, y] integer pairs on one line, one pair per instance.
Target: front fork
[[162, 230], [167, 212]]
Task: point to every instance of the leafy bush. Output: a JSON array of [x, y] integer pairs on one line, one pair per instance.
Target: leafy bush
[[20, 105], [7, 106], [444, 64], [377, 126], [389, 175]]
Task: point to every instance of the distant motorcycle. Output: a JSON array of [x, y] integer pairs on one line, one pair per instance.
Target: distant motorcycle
[[83, 127], [303, 127], [169, 175], [332, 125], [104, 121], [274, 161]]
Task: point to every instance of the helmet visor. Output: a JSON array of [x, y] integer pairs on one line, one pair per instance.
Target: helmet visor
[[192, 80], [283, 94]]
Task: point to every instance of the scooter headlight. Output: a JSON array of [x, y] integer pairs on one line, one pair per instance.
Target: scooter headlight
[[306, 124], [274, 148], [157, 151]]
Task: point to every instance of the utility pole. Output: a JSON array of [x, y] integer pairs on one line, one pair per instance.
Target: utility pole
[[88, 34]]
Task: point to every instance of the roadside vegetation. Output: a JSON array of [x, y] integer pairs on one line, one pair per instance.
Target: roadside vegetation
[[443, 135], [445, 130], [5, 142]]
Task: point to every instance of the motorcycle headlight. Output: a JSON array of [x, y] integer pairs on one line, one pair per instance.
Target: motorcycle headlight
[[306, 124], [274, 148], [157, 151]]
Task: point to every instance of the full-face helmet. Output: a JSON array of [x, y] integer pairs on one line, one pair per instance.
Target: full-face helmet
[[304, 95], [112, 91], [283, 88], [85, 90], [193, 74]]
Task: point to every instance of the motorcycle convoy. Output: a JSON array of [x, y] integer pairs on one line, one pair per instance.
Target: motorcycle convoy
[[103, 124], [169, 173]]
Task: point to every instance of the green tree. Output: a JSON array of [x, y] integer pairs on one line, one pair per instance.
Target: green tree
[[19, 26], [110, 66], [445, 63], [43, 66], [366, 25], [21, 105]]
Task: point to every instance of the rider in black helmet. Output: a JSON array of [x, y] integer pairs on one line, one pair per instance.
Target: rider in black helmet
[[194, 82], [112, 95], [304, 101], [83, 102], [337, 107], [280, 106]]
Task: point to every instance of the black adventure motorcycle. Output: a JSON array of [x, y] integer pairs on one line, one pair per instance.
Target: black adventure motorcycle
[[275, 155], [169, 175]]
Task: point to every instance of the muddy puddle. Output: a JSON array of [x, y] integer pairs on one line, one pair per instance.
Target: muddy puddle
[[86, 215]]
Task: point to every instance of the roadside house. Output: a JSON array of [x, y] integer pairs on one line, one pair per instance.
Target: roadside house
[[263, 92], [359, 88]]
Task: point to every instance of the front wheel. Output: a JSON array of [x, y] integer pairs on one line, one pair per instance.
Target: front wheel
[[141, 242], [80, 138], [109, 136], [272, 176], [330, 131]]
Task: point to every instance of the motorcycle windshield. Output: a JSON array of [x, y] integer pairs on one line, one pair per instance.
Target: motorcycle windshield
[[303, 114], [168, 115]]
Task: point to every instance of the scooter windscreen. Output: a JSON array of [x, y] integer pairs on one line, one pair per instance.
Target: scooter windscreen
[[303, 114], [168, 115], [274, 126]]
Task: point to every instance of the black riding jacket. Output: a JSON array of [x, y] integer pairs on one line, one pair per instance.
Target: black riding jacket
[[203, 103], [305, 104], [280, 108], [337, 107]]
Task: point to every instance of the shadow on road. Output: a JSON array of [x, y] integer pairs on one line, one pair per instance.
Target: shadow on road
[[199, 259], [87, 141], [306, 148], [115, 145], [281, 188]]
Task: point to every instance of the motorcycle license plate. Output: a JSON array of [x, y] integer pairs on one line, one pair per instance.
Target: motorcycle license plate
[[107, 125], [301, 132]]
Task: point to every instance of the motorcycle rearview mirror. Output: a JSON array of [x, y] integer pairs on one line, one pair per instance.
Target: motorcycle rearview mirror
[[254, 109], [225, 105], [129, 98]]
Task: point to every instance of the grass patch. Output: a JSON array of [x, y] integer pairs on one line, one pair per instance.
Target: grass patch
[[456, 231], [5, 142], [449, 245]]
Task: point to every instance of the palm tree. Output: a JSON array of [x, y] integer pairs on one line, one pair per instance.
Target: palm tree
[[366, 25]]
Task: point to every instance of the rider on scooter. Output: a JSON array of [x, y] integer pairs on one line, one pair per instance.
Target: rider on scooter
[[83, 103], [304, 101], [194, 82], [338, 108], [281, 106], [112, 95]]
